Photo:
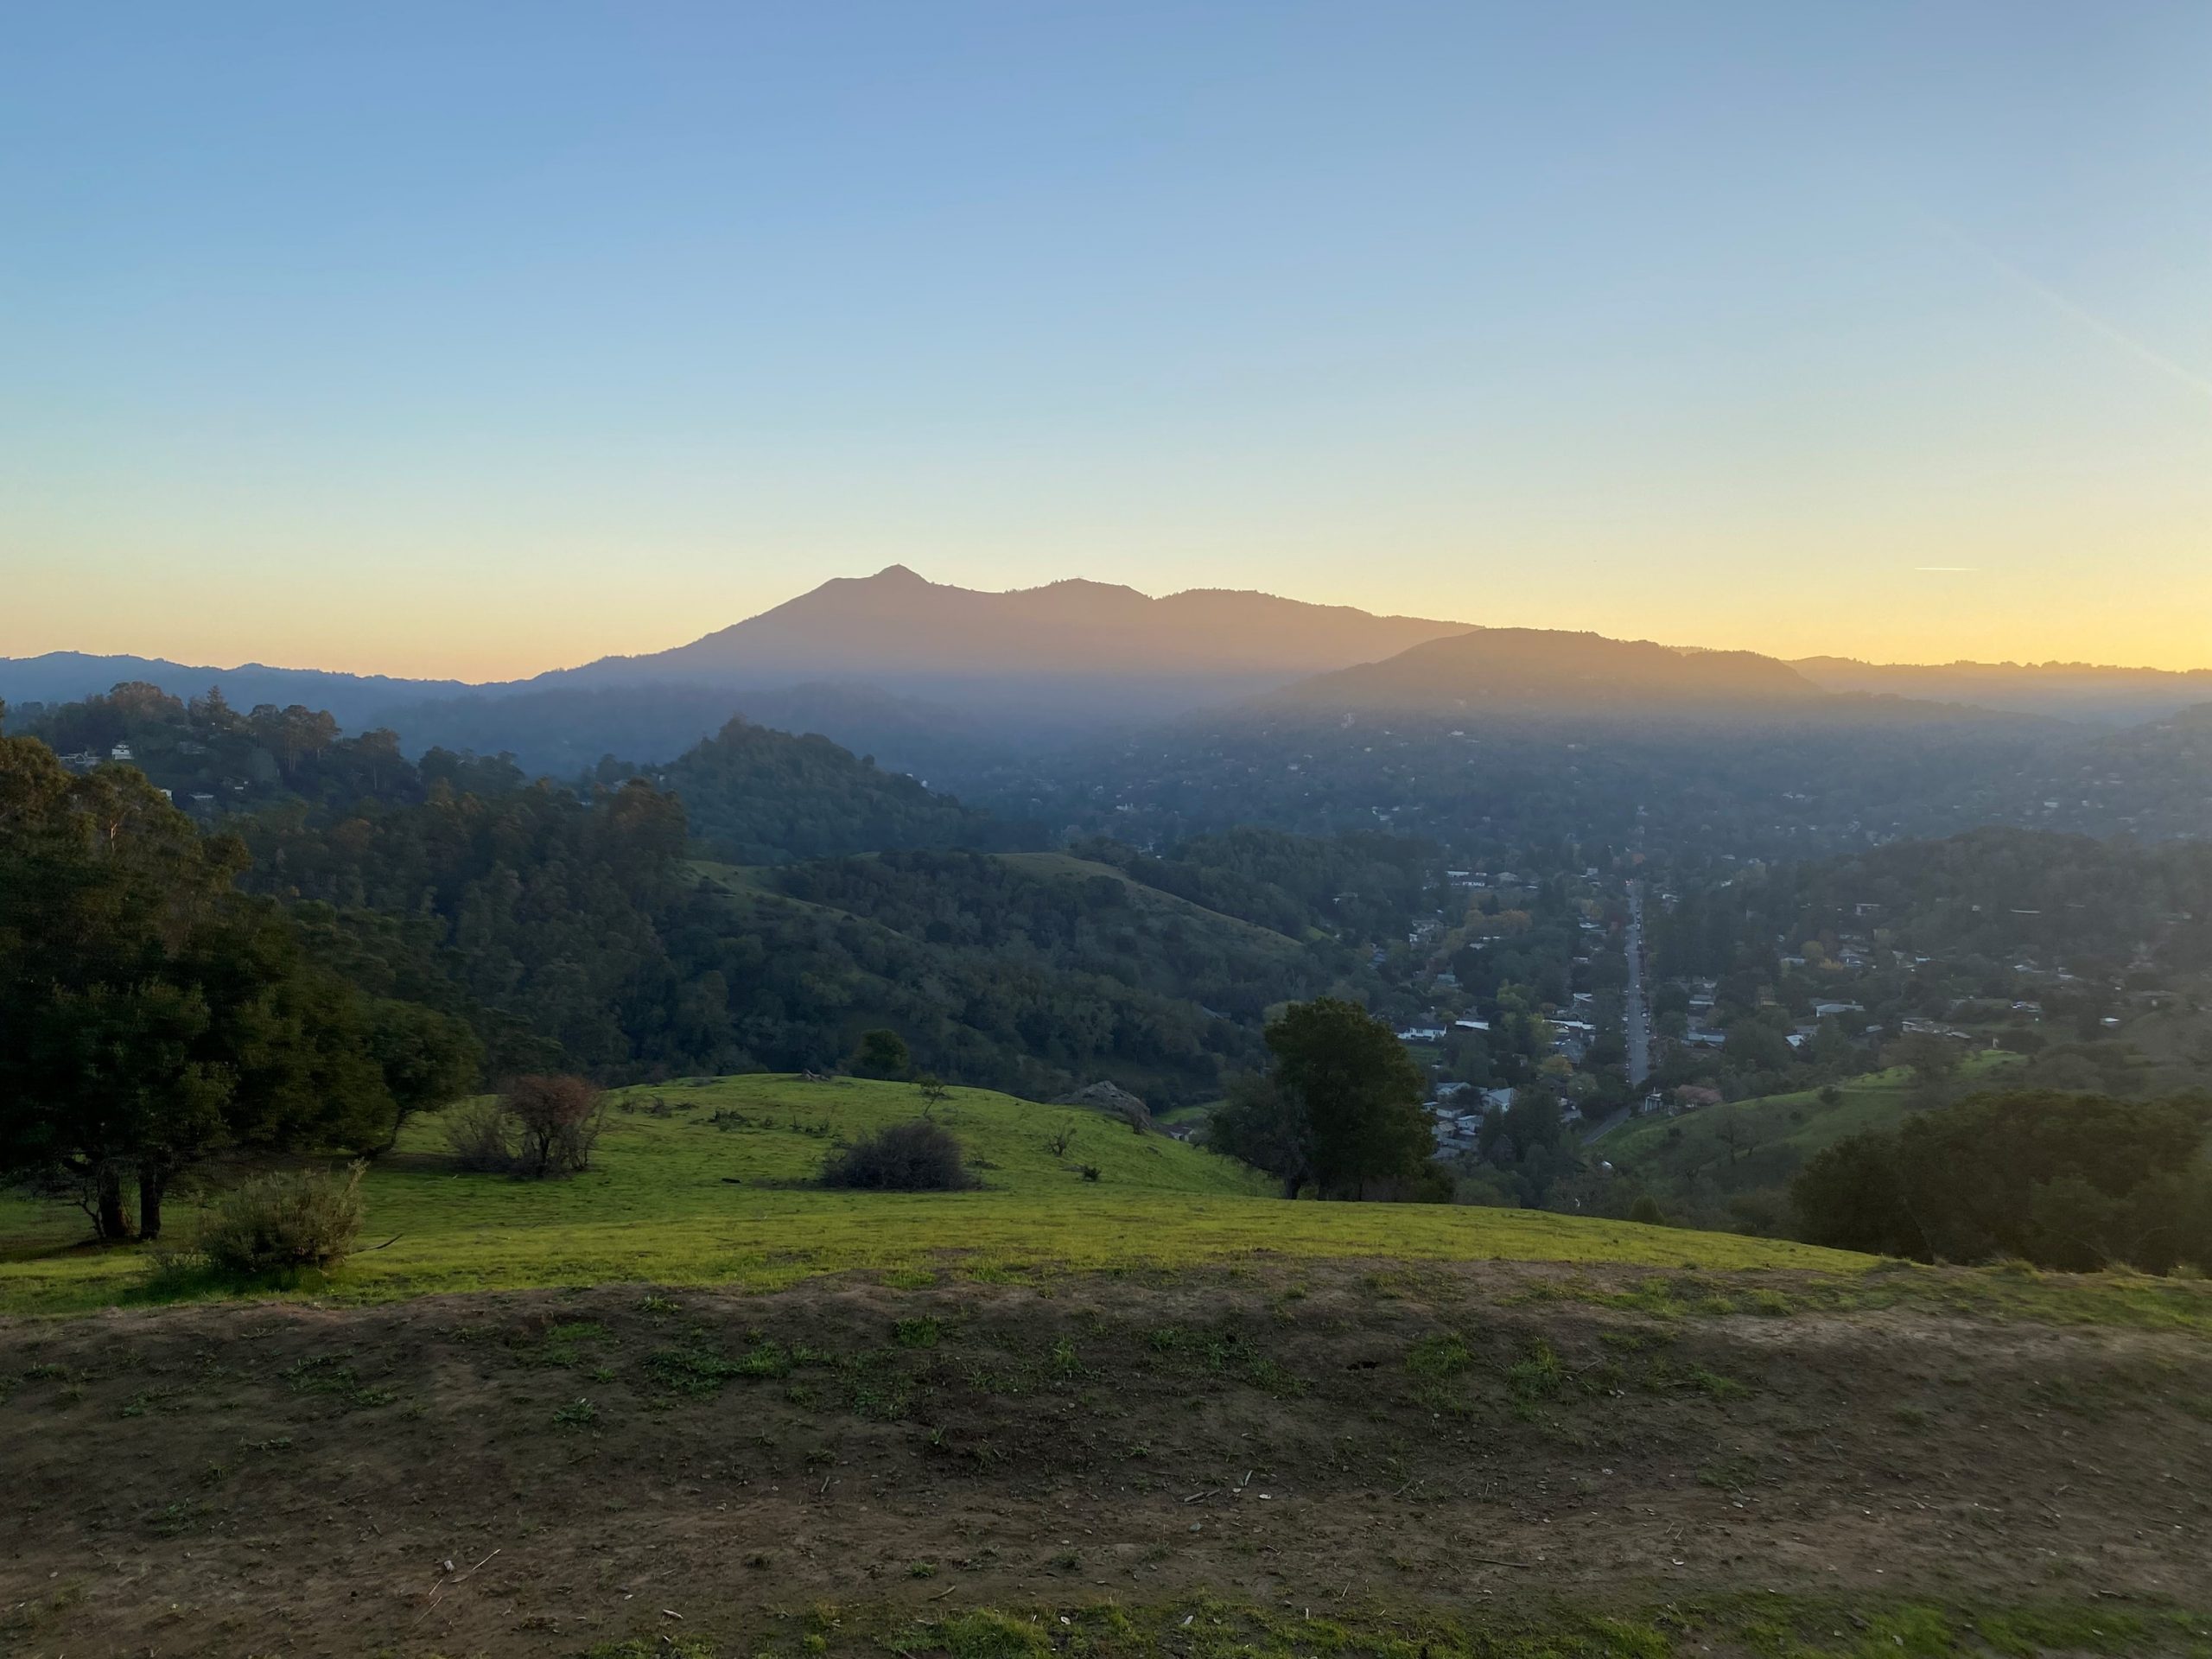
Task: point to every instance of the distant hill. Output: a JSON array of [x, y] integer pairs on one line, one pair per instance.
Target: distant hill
[[2076, 691], [2153, 781], [761, 797], [1082, 653], [354, 700], [563, 731], [1540, 671]]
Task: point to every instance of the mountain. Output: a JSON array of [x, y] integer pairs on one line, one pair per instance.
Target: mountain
[[2076, 691], [1037, 663], [1539, 671], [354, 700], [1077, 652], [936, 678]]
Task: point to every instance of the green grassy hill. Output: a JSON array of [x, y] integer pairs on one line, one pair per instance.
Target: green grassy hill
[[752, 879], [1772, 1134], [709, 1181], [1066, 866]]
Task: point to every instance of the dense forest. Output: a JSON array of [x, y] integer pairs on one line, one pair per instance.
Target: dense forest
[[760, 797], [588, 926], [211, 757], [578, 930]]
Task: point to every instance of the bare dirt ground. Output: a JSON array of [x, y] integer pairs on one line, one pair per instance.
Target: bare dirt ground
[[556, 1472]]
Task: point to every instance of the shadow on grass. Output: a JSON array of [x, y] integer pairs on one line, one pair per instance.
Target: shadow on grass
[[186, 1276]]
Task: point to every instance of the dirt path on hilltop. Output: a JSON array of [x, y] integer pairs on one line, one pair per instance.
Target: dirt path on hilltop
[[547, 1472]]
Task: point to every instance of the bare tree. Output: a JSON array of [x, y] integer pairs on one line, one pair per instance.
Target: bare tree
[[934, 1094], [559, 1119]]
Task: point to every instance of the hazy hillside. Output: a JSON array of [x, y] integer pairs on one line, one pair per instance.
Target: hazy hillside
[[2080, 691], [354, 700], [1543, 671], [2153, 780], [564, 731]]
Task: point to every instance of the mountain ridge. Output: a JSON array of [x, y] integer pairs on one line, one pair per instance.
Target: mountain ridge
[[896, 625], [1042, 664]]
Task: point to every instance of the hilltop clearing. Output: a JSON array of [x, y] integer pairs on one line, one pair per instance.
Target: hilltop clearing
[[712, 1181], [1288, 1459]]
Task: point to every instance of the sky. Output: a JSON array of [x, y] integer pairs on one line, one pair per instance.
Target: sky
[[474, 339]]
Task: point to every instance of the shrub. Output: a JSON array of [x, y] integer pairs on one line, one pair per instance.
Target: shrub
[[273, 1223], [913, 1157], [482, 1135], [557, 1120], [1646, 1210]]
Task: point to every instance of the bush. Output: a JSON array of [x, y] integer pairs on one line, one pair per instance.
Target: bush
[[482, 1135], [557, 1120], [542, 1125], [1646, 1211], [273, 1222], [911, 1157]]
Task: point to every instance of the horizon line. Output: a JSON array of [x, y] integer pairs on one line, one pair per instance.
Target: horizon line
[[897, 568]]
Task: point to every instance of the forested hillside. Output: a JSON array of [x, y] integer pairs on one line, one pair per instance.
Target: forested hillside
[[569, 927], [758, 796], [579, 933], [1359, 885], [213, 759], [1065, 916]]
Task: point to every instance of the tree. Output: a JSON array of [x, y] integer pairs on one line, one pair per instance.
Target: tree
[[1850, 1196], [1931, 1059], [2068, 1181], [559, 1118], [429, 1059], [1360, 1090], [882, 1053], [154, 1015], [1264, 1126]]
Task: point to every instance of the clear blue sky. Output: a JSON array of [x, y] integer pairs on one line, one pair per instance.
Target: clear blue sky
[[473, 338]]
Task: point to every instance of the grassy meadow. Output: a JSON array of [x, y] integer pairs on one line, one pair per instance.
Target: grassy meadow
[[1776, 1134], [710, 1181]]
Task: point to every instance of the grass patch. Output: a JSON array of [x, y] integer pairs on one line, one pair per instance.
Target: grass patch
[[673, 1200]]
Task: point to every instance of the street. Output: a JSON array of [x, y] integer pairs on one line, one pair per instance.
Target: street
[[1638, 1017]]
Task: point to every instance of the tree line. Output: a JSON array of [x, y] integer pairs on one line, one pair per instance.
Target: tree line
[[2074, 1182], [156, 1015]]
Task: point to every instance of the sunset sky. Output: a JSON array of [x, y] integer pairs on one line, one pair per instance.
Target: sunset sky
[[475, 340]]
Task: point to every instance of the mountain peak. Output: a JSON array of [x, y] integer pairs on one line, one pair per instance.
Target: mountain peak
[[898, 575]]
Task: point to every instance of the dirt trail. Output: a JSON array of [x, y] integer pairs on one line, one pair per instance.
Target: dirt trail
[[615, 1464]]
